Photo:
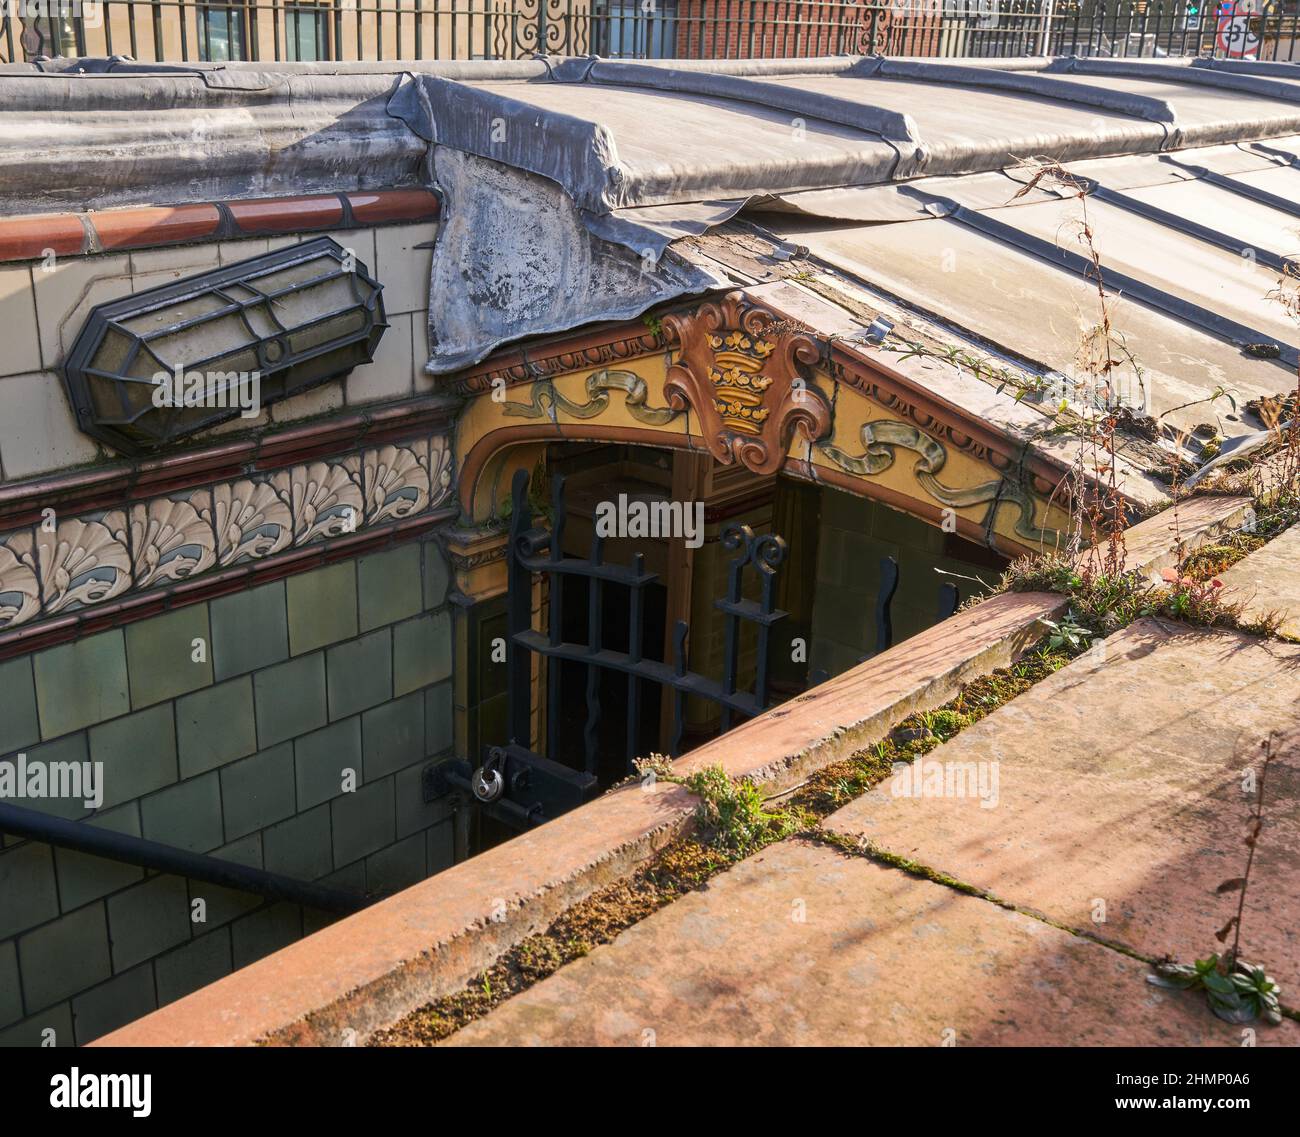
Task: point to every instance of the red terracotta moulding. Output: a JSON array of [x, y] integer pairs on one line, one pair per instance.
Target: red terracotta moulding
[[383, 207], [275, 215], [124, 612], [149, 226], [30, 238], [118, 229]]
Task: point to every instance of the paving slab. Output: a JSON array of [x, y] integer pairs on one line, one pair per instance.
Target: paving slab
[[1119, 803], [1268, 581], [804, 945]]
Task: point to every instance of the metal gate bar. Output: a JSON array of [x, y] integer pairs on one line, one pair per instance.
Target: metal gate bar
[[521, 788], [528, 543], [949, 598]]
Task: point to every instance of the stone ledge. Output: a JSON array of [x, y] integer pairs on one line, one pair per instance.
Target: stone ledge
[[1120, 786], [1166, 538], [1266, 582], [746, 974]]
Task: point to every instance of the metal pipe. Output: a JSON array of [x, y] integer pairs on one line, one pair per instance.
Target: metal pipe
[[1047, 11], [21, 822]]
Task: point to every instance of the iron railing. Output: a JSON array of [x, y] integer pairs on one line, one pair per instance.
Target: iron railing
[[521, 787], [19, 821], [343, 30], [539, 552]]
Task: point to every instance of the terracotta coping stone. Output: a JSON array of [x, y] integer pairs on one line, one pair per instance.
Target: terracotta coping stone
[[382, 207], [141, 227], [271, 215], [1167, 537], [166, 225], [27, 238], [370, 969]]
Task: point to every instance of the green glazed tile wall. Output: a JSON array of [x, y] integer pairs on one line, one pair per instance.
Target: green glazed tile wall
[[855, 534], [285, 727]]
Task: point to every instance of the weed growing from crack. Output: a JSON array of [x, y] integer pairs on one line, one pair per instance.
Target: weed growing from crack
[[1103, 603], [1238, 992], [734, 815], [681, 867]]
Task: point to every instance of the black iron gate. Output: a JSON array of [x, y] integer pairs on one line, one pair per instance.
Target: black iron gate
[[520, 787]]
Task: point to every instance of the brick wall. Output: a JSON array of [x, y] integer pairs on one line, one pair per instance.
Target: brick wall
[[855, 534], [239, 751], [715, 29]]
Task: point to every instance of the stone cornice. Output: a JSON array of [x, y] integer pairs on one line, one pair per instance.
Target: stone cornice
[[513, 366]]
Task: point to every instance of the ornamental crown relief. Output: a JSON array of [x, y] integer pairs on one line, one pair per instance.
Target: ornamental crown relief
[[743, 371], [739, 384]]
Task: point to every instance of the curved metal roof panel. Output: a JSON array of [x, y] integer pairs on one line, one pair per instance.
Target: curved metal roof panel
[[1191, 165]]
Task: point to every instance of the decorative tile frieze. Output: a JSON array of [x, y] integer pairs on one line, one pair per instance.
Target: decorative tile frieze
[[327, 500], [399, 480], [172, 539], [82, 562], [64, 565], [544, 399], [882, 438], [20, 591], [252, 519]]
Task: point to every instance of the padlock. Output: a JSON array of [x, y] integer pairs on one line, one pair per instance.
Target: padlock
[[487, 784]]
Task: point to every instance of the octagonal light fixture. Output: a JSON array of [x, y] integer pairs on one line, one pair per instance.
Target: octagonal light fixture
[[161, 365]]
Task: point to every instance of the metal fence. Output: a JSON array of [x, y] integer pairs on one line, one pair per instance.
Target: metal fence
[[301, 30]]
